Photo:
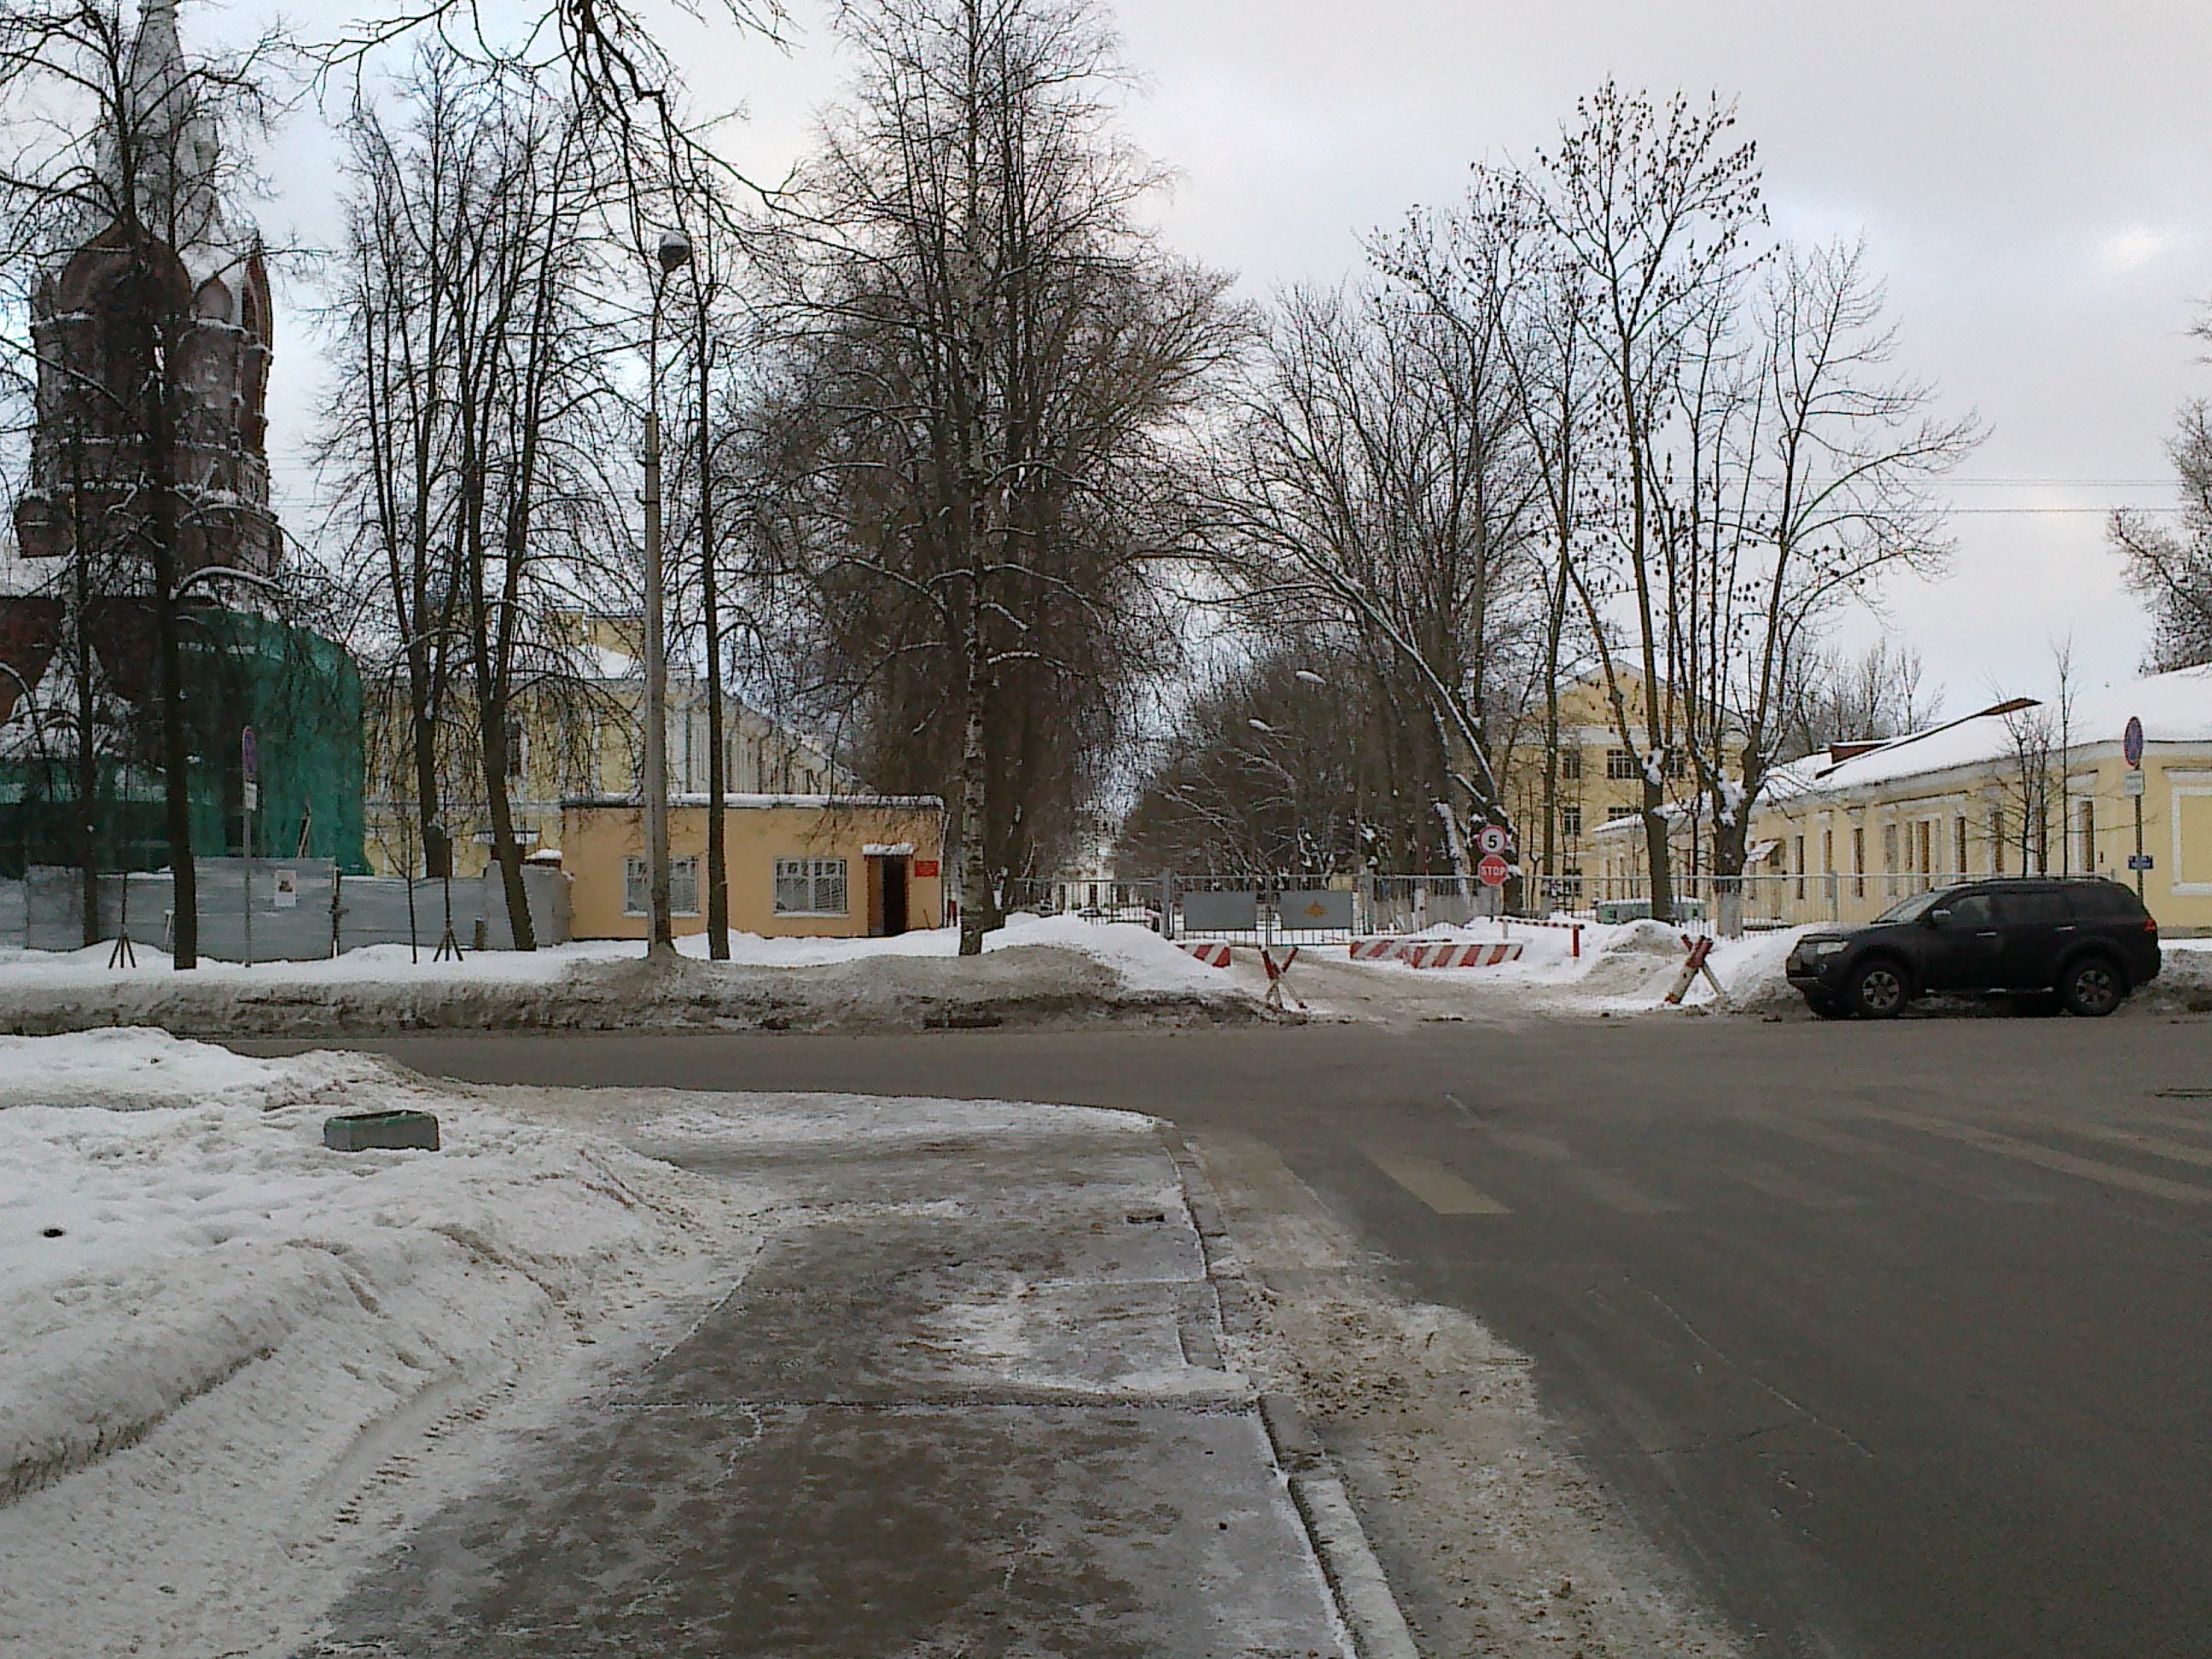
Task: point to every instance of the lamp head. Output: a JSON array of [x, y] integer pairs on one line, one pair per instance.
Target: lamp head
[[675, 250]]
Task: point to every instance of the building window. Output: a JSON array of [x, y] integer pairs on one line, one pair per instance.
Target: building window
[[515, 749], [682, 887], [1889, 859], [1958, 846], [1570, 764], [1827, 852], [1675, 765], [1800, 852], [1858, 861], [1615, 814], [810, 887], [1997, 841], [1571, 822], [1925, 838], [1620, 763], [2088, 838]]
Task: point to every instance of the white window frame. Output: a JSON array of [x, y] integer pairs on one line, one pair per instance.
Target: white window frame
[[816, 873], [637, 886]]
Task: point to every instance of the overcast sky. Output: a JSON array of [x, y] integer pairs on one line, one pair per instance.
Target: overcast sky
[[2033, 178]]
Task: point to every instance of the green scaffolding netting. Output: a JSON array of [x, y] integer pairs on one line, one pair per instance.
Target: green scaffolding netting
[[301, 693]]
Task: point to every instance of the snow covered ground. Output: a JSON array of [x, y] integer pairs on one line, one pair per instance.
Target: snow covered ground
[[1624, 970], [1144, 960], [1620, 970], [239, 1365], [1034, 970]]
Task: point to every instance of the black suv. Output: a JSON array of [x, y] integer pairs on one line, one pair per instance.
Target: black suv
[[2087, 940]]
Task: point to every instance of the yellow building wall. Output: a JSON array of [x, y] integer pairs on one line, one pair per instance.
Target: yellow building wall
[[2099, 838], [1588, 741], [598, 841]]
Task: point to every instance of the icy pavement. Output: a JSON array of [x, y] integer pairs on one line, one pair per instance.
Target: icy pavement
[[610, 1372], [971, 1399]]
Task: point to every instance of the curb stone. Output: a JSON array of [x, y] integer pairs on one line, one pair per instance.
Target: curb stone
[[1364, 1602]]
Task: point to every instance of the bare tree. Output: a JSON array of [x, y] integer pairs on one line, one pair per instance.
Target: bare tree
[[986, 359], [1373, 483], [1879, 693], [1800, 470], [117, 152], [471, 436], [2171, 567], [1652, 208]]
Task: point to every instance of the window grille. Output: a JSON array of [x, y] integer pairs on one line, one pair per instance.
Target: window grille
[[1571, 822], [810, 887], [682, 887], [1620, 763]]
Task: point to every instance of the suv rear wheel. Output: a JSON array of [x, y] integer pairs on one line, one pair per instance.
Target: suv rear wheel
[[2093, 987], [1878, 990]]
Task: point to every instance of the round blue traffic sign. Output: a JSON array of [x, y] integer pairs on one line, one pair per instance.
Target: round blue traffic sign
[[2131, 742]]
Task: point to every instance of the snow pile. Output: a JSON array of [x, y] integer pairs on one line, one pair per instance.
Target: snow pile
[[227, 1346], [1034, 969], [138, 1069]]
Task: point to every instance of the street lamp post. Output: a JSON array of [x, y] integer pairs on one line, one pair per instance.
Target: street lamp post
[[674, 252]]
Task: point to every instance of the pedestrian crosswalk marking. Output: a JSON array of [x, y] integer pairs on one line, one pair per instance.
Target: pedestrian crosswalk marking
[[2173, 1152], [1607, 1188], [1777, 1182], [1610, 1190], [1966, 1184], [1440, 1188], [2049, 1158]]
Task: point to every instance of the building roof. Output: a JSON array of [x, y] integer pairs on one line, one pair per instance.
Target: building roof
[[2174, 708]]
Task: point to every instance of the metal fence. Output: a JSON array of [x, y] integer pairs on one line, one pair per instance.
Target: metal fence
[[287, 910], [1323, 909]]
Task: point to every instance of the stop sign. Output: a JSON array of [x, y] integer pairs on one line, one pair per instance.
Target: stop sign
[[1493, 870]]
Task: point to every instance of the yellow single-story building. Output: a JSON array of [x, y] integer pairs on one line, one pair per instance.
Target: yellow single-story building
[[2020, 788], [819, 867]]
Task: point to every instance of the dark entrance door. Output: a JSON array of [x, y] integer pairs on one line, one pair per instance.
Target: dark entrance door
[[894, 896]]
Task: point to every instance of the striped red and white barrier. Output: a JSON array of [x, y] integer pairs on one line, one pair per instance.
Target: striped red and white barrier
[[1212, 952], [1434, 954], [1376, 950]]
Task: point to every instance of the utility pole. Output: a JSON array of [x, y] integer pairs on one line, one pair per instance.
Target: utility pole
[[674, 252]]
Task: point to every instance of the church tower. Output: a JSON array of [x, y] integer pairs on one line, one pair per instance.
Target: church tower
[[160, 164]]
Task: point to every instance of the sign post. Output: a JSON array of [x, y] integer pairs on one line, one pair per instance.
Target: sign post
[[2131, 748], [249, 766]]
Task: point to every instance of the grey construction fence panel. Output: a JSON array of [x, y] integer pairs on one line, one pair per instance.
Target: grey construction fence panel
[[1317, 910], [292, 917], [373, 911], [1220, 912], [546, 889]]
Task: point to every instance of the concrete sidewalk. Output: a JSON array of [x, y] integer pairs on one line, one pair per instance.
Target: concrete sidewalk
[[972, 1404]]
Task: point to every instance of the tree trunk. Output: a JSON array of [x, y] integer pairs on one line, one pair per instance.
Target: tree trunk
[[88, 754], [974, 779], [718, 867], [176, 737], [492, 739]]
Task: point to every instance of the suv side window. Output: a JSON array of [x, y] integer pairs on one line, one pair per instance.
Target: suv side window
[[2105, 901], [2038, 906], [1972, 910]]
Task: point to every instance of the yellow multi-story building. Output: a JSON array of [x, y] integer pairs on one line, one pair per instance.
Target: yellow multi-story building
[[1600, 778], [586, 738]]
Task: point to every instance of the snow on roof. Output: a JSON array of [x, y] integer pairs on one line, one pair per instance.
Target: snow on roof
[[2174, 708]]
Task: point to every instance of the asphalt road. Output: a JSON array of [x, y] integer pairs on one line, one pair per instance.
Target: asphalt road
[[1895, 1338]]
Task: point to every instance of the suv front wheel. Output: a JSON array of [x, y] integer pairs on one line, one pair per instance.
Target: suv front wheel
[[2093, 987], [1878, 990]]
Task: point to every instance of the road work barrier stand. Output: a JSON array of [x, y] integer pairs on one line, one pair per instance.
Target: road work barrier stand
[[1694, 965], [1212, 953], [1276, 972]]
